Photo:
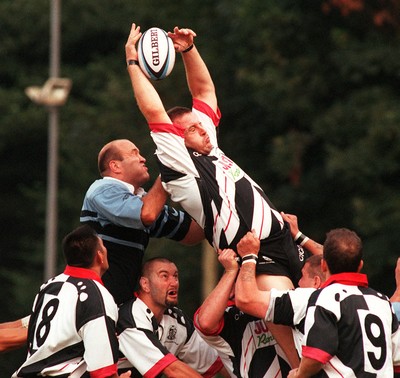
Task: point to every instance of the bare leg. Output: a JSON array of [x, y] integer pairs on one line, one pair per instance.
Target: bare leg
[[282, 334]]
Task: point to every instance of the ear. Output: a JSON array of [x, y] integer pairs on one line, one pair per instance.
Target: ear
[[317, 282], [99, 257], [360, 266], [324, 266], [144, 284], [114, 166]]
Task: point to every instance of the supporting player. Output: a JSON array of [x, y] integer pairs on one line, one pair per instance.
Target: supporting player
[[155, 336]]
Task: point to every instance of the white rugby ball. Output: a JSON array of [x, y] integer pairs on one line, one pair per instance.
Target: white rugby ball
[[156, 53]]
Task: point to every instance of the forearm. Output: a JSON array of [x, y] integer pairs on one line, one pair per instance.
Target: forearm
[[194, 236], [309, 244], [12, 338], [13, 324], [147, 98], [179, 369], [153, 203], [248, 297], [213, 308], [198, 78], [308, 368], [314, 247]]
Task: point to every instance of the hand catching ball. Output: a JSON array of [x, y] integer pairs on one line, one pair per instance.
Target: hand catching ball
[[156, 53]]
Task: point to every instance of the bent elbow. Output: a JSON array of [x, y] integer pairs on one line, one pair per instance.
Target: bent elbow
[[242, 302], [148, 217]]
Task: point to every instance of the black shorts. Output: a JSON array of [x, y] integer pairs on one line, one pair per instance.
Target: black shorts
[[280, 256]]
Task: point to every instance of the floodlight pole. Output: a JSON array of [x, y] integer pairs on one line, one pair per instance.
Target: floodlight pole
[[52, 154]]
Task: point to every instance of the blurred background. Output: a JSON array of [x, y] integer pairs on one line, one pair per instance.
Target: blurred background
[[309, 92]]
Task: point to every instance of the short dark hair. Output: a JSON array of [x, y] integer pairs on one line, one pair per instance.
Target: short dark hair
[[342, 251], [177, 111], [148, 265], [80, 246], [314, 266]]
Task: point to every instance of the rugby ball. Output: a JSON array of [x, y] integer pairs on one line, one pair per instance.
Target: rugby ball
[[156, 53]]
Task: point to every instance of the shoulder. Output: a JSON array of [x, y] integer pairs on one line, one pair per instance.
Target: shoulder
[[175, 315]]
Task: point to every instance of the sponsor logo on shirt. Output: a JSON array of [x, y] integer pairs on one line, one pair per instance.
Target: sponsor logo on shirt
[[265, 260], [229, 167], [262, 335], [301, 253], [171, 336]]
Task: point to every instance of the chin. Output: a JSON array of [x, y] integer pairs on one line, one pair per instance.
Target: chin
[[171, 303]]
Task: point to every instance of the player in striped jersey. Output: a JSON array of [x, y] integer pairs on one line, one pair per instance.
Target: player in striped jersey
[[350, 329], [361, 336], [212, 188], [72, 326], [244, 343], [157, 337]]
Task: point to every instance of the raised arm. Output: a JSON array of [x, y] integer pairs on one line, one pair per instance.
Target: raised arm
[[248, 297], [311, 245], [147, 98], [198, 77], [212, 310]]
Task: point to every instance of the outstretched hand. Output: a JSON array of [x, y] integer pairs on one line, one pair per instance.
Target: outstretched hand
[[248, 244], [182, 38], [130, 46]]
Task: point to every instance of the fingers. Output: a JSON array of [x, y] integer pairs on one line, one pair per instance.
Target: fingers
[[135, 34]]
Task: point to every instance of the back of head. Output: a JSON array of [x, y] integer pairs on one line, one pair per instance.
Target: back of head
[[314, 267], [342, 251], [110, 151], [177, 112], [80, 246]]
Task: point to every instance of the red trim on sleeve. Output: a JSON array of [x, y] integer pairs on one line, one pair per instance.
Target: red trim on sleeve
[[104, 372], [215, 333], [206, 109], [396, 369], [158, 368], [171, 128], [315, 354], [213, 369]]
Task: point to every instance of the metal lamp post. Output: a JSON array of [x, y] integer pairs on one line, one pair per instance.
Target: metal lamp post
[[53, 94]]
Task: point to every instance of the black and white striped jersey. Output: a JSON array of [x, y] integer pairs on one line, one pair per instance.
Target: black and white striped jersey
[[212, 188], [246, 346], [288, 307], [72, 328], [352, 329], [150, 347]]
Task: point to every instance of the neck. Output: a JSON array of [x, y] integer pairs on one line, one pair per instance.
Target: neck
[[155, 308]]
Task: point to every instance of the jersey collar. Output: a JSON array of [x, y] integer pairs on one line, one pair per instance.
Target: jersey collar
[[353, 279], [76, 272], [131, 188]]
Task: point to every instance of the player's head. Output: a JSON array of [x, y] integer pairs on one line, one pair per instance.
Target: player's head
[[312, 274], [159, 283], [196, 137], [343, 251], [121, 159], [84, 249]]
